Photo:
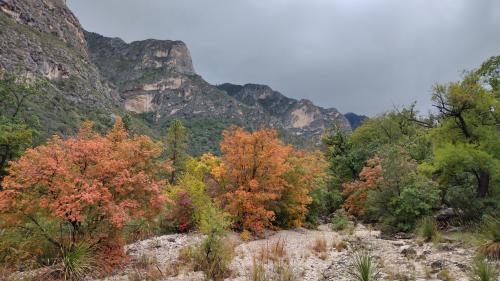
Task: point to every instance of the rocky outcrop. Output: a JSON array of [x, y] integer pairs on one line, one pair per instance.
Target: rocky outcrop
[[157, 76], [50, 17], [43, 39], [301, 117]]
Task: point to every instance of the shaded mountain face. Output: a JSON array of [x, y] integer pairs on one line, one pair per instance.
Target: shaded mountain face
[[151, 82], [355, 120]]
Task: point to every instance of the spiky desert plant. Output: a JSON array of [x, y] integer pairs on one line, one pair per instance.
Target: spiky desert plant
[[364, 268], [78, 262], [491, 233], [483, 271]]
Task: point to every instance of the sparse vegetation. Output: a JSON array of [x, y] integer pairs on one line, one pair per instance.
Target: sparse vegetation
[[340, 220], [320, 245], [428, 229], [213, 256], [274, 251], [483, 271], [444, 275], [272, 264], [363, 267], [491, 233], [78, 262]]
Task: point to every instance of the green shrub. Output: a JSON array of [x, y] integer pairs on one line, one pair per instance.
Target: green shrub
[[483, 271], [339, 220], [364, 268], [416, 199], [428, 229], [213, 256]]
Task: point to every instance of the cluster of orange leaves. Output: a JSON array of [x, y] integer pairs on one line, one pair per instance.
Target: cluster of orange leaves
[[357, 191], [91, 184], [255, 173]]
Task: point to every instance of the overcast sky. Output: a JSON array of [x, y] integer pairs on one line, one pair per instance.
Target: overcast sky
[[364, 56]]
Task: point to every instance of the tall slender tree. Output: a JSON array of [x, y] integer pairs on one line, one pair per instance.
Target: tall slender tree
[[177, 137]]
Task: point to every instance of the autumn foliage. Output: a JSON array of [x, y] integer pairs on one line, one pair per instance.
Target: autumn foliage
[[259, 178], [357, 191], [90, 185]]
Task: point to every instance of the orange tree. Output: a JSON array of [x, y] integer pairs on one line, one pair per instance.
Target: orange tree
[[263, 182], [357, 191], [308, 170], [84, 189], [252, 173]]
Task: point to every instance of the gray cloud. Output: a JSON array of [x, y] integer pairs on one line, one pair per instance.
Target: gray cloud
[[356, 55]]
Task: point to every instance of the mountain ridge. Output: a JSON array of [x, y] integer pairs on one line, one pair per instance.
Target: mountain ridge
[[151, 81]]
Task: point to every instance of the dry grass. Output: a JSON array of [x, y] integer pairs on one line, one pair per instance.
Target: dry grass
[[274, 251], [320, 245], [339, 245], [151, 274], [146, 268], [444, 275], [278, 270], [145, 261]]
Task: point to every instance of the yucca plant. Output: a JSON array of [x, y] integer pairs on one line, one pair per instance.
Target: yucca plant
[[77, 262], [491, 233], [364, 268], [483, 271], [428, 229]]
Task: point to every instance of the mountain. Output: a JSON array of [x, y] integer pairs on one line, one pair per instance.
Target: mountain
[[148, 82], [355, 120], [44, 40], [300, 117]]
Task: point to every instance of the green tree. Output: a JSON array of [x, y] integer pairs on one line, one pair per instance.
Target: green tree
[[15, 132], [466, 140], [177, 138]]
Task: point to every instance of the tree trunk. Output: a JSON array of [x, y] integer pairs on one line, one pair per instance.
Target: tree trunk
[[483, 182]]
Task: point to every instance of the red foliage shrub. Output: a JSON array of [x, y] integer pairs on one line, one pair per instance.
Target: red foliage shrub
[[90, 185]]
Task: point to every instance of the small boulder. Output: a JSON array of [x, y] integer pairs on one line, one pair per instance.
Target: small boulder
[[436, 266], [408, 251]]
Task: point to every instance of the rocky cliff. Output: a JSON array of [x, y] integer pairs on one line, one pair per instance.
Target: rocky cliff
[[157, 76], [150, 81], [43, 39], [301, 117]]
